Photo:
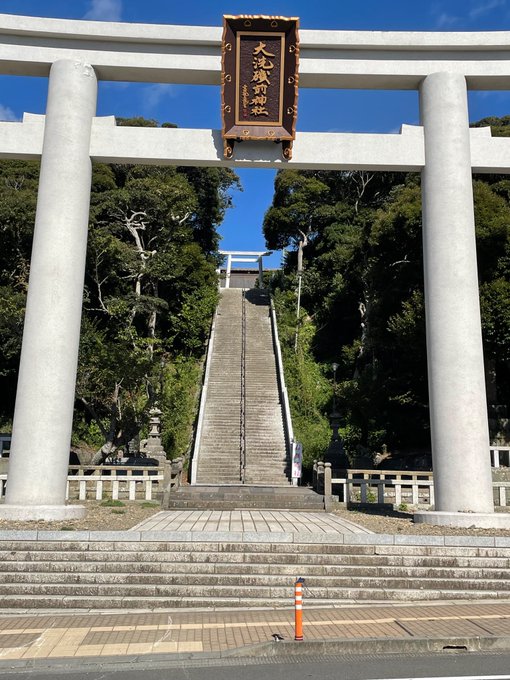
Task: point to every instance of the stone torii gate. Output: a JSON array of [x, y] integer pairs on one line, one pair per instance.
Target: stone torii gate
[[244, 256], [75, 54]]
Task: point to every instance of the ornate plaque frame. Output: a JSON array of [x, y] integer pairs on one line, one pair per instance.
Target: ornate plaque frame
[[260, 59]]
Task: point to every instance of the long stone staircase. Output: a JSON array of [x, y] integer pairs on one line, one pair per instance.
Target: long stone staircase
[[242, 439], [213, 571]]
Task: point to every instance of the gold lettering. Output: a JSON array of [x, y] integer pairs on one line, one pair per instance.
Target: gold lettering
[[262, 62], [260, 77], [260, 111], [246, 96], [262, 68], [260, 99], [261, 49]]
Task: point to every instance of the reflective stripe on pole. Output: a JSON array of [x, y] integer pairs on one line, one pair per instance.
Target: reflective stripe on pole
[[298, 601]]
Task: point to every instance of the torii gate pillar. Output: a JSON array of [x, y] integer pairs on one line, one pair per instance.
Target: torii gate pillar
[[458, 407], [43, 414]]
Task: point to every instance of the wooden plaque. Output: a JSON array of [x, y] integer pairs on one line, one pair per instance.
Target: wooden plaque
[[260, 57]]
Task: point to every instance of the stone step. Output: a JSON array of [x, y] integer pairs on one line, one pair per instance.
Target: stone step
[[279, 584], [251, 595], [337, 556], [126, 571], [65, 602], [240, 505]]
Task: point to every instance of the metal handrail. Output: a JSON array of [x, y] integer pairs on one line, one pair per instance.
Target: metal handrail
[[281, 381], [242, 410]]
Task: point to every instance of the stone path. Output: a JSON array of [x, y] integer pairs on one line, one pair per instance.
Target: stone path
[[250, 520]]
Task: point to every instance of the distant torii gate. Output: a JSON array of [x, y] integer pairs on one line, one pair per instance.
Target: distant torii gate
[[244, 256], [74, 54]]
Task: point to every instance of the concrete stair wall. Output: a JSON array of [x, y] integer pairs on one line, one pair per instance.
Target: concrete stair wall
[[219, 460], [217, 573]]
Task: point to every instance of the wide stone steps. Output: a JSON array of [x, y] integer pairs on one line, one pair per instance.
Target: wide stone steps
[[169, 574], [266, 455]]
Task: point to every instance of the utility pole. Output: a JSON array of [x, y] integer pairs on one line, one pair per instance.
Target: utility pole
[[302, 244]]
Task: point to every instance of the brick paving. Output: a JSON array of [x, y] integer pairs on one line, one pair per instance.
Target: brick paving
[[53, 636]]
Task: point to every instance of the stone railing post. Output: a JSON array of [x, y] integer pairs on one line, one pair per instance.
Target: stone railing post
[[172, 478], [328, 487], [320, 476]]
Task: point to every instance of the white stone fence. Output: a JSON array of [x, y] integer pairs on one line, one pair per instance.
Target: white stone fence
[[118, 482], [500, 456], [410, 488]]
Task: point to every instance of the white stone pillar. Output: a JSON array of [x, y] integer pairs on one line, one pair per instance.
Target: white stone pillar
[[45, 398], [229, 269], [458, 408], [261, 272]]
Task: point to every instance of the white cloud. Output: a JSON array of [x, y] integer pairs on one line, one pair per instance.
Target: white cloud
[[7, 114], [104, 10], [484, 7], [115, 84], [154, 94], [445, 20]]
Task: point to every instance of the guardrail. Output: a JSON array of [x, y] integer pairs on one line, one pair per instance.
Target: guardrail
[[413, 488], [99, 482]]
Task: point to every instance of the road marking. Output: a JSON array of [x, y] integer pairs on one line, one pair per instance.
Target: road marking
[[456, 677]]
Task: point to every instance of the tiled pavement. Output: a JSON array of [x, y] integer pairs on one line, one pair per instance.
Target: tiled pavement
[[249, 520], [51, 636]]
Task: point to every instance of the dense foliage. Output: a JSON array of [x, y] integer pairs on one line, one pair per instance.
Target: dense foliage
[[362, 299], [150, 291]]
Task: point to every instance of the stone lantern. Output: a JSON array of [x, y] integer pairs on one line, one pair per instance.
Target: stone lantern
[[153, 447]]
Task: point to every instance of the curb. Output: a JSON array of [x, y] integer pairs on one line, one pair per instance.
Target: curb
[[278, 652], [348, 646], [331, 538]]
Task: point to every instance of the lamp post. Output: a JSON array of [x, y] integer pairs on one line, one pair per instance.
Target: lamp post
[[334, 366]]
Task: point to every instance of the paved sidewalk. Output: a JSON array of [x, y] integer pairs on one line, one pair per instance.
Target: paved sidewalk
[[250, 520], [25, 637]]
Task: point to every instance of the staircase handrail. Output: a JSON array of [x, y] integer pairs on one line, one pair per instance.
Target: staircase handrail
[[203, 396], [287, 418], [242, 410]]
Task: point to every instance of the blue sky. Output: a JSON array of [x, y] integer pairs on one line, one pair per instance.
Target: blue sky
[[326, 110]]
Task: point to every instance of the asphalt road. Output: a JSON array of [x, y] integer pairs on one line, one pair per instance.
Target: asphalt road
[[445, 665]]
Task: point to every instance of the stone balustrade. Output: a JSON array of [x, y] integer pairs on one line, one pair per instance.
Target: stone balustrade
[[500, 456], [118, 482], [412, 488]]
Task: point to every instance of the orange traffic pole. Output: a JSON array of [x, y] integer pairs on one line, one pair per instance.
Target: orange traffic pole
[[298, 603]]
